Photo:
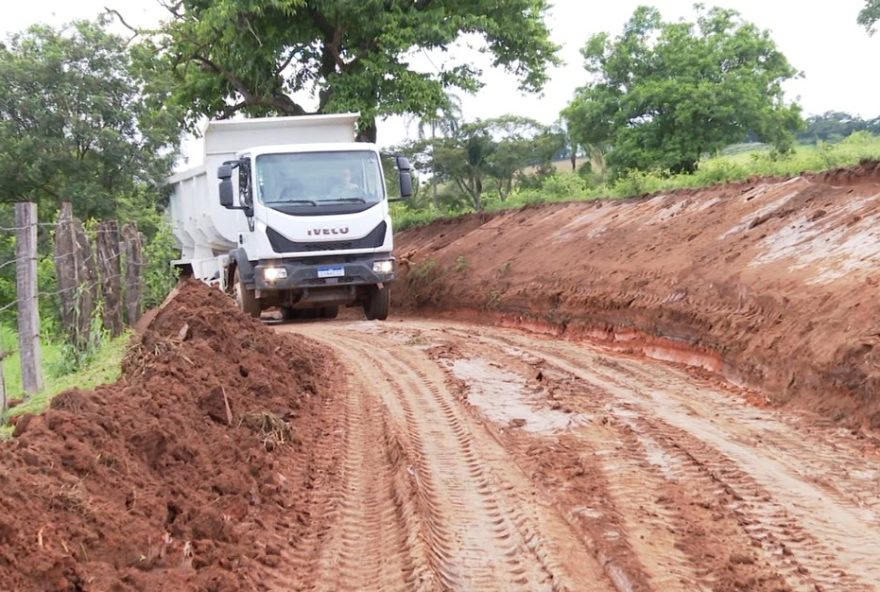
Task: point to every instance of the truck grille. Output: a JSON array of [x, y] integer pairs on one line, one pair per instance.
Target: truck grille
[[281, 244]]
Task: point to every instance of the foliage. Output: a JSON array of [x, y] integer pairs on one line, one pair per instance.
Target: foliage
[[480, 153], [159, 276], [103, 367], [254, 57], [740, 166], [667, 93], [833, 126], [869, 15], [73, 125]]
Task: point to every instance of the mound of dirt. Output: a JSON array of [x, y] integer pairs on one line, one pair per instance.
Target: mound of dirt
[[171, 478], [772, 282]]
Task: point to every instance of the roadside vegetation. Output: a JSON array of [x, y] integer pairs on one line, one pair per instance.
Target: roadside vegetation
[[737, 163], [101, 366]]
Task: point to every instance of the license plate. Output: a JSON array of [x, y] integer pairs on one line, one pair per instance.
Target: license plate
[[328, 271]]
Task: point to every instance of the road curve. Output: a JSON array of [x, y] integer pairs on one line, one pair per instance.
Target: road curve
[[477, 458]]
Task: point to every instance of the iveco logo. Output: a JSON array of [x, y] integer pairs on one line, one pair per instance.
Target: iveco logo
[[320, 231]]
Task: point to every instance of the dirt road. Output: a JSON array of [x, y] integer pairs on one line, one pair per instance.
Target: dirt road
[[477, 458]]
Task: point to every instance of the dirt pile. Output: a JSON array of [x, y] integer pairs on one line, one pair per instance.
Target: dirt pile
[[172, 478], [771, 282]]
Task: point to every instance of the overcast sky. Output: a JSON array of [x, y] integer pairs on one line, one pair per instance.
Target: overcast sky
[[821, 39]]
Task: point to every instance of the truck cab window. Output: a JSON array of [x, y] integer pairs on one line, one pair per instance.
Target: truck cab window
[[346, 180]]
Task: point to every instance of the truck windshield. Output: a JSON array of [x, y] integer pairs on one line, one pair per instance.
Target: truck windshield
[[320, 180]]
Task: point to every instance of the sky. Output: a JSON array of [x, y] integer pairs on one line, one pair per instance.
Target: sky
[[821, 39]]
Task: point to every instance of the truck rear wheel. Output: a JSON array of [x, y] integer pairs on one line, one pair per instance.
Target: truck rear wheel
[[377, 304], [244, 298]]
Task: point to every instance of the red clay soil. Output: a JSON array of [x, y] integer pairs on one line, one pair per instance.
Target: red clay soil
[[171, 478], [773, 283]]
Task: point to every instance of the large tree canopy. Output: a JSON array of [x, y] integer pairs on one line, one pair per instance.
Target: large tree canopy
[[74, 125], [665, 93], [256, 56]]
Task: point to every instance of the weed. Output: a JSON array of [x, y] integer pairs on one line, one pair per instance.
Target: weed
[[73, 498], [504, 269], [424, 269], [461, 264], [271, 429], [493, 302]]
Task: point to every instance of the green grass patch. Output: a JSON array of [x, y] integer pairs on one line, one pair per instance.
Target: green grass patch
[[737, 164], [103, 366]]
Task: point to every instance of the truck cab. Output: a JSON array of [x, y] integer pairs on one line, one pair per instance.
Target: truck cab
[[308, 221]]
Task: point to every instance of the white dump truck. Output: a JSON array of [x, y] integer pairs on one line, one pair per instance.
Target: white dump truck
[[289, 212]]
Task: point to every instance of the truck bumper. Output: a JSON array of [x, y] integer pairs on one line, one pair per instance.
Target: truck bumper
[[299, 274]]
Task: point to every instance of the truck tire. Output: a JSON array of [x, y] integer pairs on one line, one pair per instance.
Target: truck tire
[[329, 312], [244, 297], [377, 303]]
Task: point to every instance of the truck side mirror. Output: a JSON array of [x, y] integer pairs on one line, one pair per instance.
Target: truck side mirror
[[226, 199], [224, 171], [406, 186]]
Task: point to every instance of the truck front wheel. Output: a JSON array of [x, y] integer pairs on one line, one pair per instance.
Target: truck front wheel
[[245, 298], [377, 303]]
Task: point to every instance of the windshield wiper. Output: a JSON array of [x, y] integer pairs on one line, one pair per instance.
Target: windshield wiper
[[348, 200], [297, 201]]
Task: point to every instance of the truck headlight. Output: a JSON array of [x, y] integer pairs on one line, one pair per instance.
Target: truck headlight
[[272, 274], [383, 267]]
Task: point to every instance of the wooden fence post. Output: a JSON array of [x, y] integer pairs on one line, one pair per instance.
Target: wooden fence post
[[26, 287], [77, 278], [111, 275], [134, 272]]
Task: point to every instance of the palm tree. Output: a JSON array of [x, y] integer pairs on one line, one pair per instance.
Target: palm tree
[[445, 121]]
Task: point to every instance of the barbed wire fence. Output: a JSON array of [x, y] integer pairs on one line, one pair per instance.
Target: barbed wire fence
[[98, 273]]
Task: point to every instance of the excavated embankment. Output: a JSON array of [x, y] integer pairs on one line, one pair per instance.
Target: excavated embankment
[[187, 474], [773, 283]]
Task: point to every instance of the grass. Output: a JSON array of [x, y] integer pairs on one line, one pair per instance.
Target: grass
[[736, 164], [103, 367]]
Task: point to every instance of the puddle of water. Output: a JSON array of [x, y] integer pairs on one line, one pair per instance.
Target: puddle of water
[[500, 396]]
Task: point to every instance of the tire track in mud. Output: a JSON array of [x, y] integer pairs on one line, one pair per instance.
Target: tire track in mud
[[814, 545], [481, 525], [372, 544]]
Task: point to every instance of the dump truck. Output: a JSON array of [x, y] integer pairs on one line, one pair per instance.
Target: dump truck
[[289, 213]]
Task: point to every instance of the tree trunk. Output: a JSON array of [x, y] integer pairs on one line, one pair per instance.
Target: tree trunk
[[111, 275], [134, 272], [477, 184], [77, 278], [26, 289]]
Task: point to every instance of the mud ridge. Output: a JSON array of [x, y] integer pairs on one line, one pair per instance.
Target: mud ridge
[[192, 472], [769, 283]]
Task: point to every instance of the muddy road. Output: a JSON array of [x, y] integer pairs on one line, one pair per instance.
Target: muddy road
[[477, 458]]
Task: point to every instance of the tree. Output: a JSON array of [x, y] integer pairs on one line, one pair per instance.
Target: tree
[[74, 125], [833, 126], [666, 93], [869, 15], [519, 142], [464, 160], [490, 150], [258, 56], [445, 120]]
